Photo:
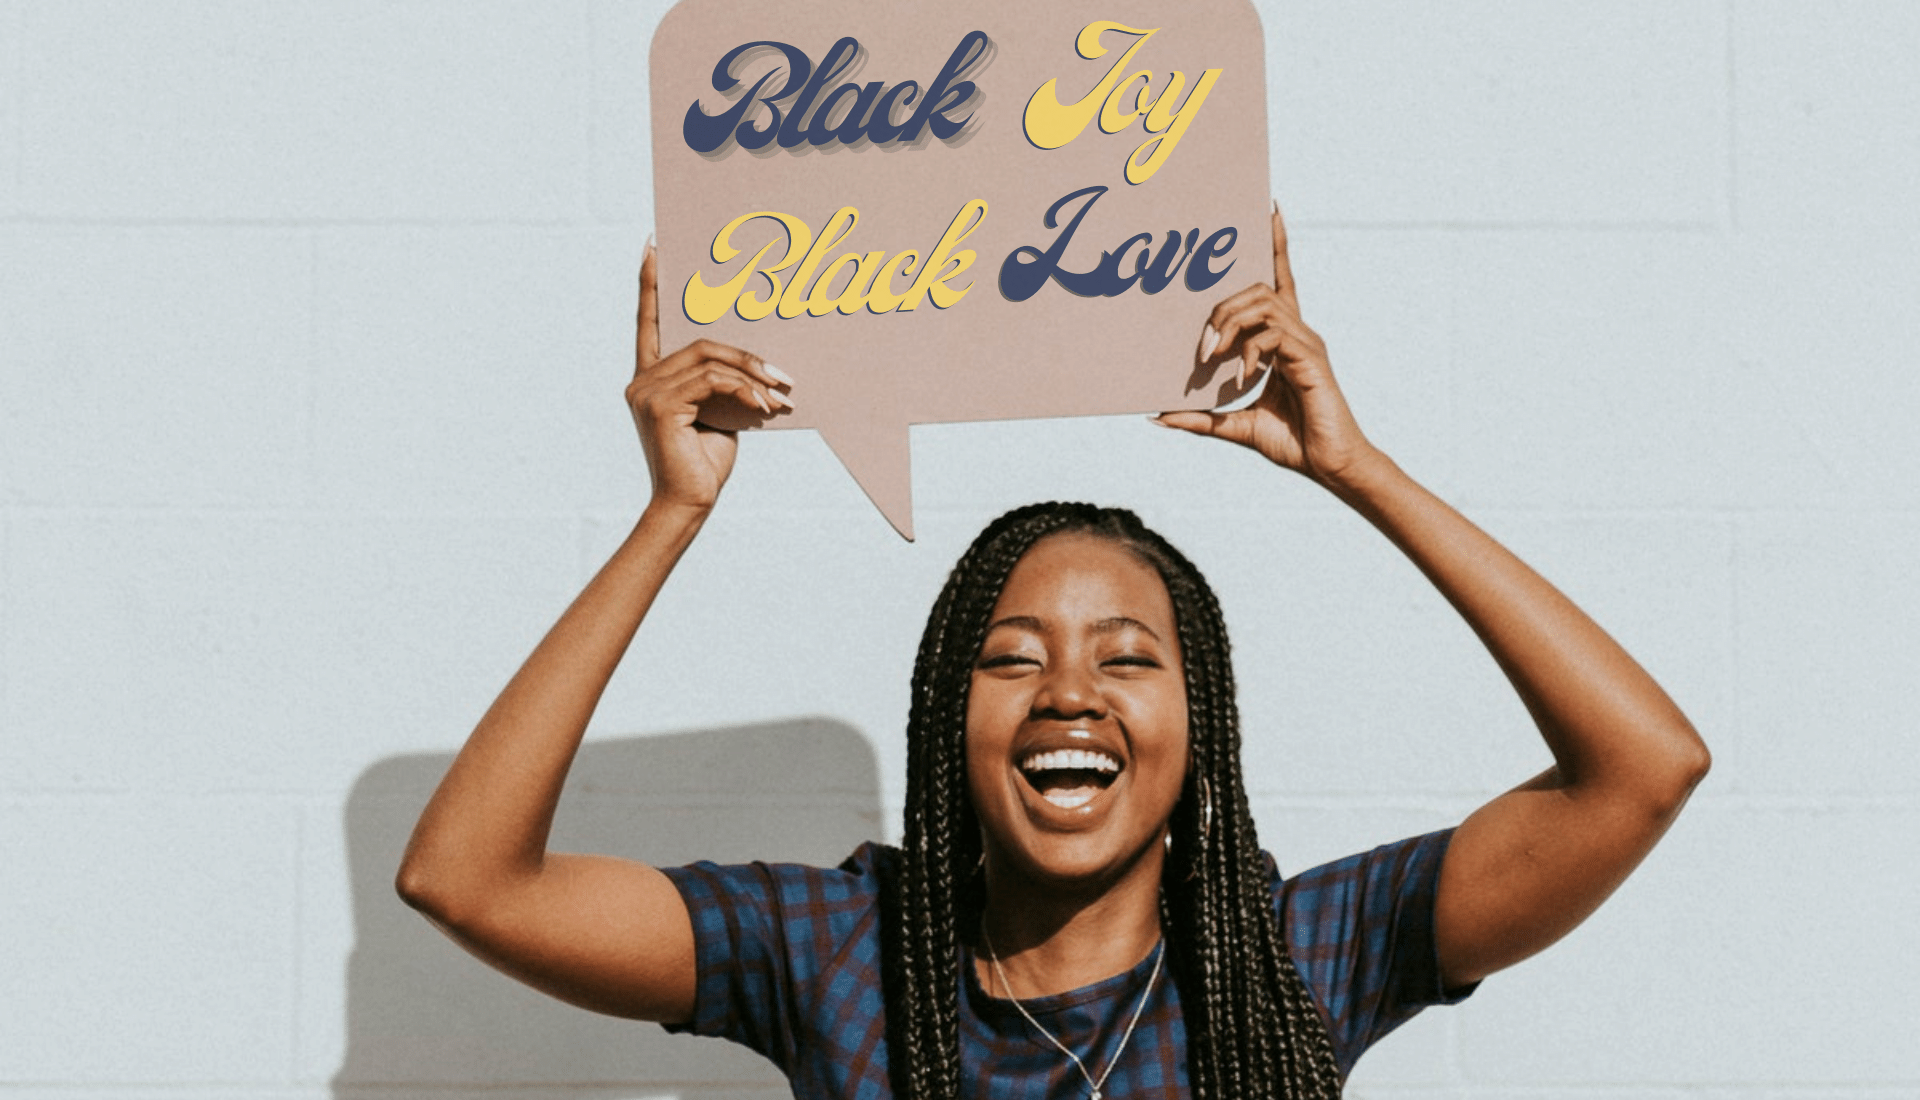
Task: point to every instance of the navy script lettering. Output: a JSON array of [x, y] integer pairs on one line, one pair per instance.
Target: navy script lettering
[[870, 108], [1026, 269]]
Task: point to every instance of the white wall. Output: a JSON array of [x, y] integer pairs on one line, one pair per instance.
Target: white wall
[[313, 326]]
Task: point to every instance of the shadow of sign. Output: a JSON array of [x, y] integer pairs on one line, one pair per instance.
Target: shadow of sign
[[424, 1018]]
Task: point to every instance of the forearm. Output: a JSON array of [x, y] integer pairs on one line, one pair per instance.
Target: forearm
[[487, 823], [1611, 729]]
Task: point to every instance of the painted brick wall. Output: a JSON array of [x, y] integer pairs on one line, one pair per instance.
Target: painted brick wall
[[313, 326]]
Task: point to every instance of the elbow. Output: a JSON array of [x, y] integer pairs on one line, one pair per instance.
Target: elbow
[[1683, 768], [1652, 778], [456, 899], [1699, 764], [414, 884], [427, 894]]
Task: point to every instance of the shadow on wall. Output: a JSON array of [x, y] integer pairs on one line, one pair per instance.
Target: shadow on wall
[[423, 1016]]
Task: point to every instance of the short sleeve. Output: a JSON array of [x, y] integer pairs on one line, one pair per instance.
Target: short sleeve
[[775, 942], [1360, 932]]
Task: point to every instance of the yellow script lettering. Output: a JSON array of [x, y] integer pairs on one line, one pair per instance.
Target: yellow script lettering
[[706, 304], [810, 289], [1051, 124]]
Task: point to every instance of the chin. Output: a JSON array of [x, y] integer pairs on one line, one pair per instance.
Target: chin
[[1080, 863]]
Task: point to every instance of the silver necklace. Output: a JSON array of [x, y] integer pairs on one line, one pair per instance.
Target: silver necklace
[[1000, 975]]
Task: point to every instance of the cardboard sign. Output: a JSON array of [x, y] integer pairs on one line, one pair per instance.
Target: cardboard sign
[[928, 213]]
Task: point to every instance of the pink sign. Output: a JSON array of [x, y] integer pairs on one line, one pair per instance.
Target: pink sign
[[933, 213]]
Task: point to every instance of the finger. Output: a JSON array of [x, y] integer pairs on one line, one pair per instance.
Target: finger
[[748, 391], [701, 351], [1298, 350], [1245, 325], [1292, 349], [1252, 316], [678, 397], [1248, 309], [1228, 426], [1252, 359], [1282, 265], [646, 336], [689, 384], [1238, 302]]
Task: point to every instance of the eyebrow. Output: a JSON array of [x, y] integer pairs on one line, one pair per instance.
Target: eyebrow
[[1113, 624]]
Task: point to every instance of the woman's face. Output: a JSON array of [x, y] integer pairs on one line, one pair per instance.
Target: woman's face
[[1077, 717]]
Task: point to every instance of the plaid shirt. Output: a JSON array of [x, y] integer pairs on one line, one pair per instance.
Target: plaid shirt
[[789, 964]]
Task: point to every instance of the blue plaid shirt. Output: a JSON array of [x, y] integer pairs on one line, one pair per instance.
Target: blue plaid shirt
[[789, 964]]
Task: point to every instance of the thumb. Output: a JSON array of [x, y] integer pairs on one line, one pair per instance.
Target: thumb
[[1234, 427], [1197, 421]]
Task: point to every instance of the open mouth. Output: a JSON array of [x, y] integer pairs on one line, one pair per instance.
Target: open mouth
[[1070, 778]]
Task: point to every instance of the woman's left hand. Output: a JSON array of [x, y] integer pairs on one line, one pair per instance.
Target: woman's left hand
[[1301, 420]]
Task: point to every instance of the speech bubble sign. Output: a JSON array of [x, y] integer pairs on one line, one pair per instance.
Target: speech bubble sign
[[936, 213]]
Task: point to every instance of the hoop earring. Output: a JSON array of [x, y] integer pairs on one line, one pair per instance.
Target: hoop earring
[[1206, 811]]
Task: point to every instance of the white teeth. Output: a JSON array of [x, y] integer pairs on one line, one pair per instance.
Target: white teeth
[[1069, 800], [1070, 759]]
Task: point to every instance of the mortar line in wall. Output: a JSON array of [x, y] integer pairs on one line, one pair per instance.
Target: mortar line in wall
[[36, 510], [1736, 621], [19, 109], [1449, 801], [1454, 1055], [1733, 117], [296, 985], [583, 566], [278, 512], [655, 1088], [310, 399], [134, 221], [591, 123], [1811, 1089], [169, 1089], [1735, 701], [6, 588], [1283, 801], [1455, 260], [265, 795], [1679, 511], [1687, 227]]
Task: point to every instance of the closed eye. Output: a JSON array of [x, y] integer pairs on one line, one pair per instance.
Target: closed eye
[[1006, 660]]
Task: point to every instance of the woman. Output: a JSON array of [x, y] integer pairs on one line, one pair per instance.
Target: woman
[[1077, 839]]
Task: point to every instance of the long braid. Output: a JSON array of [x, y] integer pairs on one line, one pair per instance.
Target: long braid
[[1252, 1031]]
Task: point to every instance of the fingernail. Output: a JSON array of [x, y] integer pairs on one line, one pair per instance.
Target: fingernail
[[762, 402], [780, 399], [779, 375], [1276, 207], [649, 247], [1208, 341]]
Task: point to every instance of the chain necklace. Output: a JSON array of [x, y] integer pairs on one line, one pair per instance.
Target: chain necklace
[[1096, 1085]]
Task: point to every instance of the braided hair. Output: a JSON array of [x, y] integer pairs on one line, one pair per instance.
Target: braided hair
[[1252, 1030]]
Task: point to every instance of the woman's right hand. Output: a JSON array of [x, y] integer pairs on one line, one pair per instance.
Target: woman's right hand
[[688, 461]]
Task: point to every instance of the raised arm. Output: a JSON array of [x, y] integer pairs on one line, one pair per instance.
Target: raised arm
[[1527, 867], [606, 934]]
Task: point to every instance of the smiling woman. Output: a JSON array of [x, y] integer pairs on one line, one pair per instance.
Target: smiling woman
[[1076, 823], [1077, 721]]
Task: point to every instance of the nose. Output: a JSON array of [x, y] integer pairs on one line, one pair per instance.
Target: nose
[[1069, 690]]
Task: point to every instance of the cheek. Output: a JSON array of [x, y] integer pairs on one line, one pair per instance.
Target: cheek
[[987, 740]]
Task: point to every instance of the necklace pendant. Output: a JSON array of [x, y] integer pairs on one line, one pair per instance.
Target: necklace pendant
[[1095, 1096]]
